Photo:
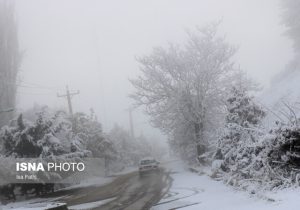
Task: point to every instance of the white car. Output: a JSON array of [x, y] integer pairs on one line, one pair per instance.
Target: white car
[[148, 165]]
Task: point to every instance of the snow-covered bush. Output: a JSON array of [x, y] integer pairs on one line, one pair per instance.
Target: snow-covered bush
[[280, 155], [52, 134], [250, 155], [274, 162], [242, 122], [46, 136], [238, 145], [50, 137]]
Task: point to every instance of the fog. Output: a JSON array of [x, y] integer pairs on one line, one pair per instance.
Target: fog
[[91, 45], [137, 104]]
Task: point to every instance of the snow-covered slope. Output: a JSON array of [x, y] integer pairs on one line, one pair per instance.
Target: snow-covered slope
[[285, 86], [283, 94], [191, 191]]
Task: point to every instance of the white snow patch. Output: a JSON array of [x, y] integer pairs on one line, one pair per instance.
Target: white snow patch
[[190, 191], [30, 206]]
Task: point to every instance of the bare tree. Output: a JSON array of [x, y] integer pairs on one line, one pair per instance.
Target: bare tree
[[9, 60], [185, 85]]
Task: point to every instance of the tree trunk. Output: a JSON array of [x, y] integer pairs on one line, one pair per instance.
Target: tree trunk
[[200, 140]]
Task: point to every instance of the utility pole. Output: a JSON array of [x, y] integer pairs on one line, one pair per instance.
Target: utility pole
[[131, 122], [69, 95]]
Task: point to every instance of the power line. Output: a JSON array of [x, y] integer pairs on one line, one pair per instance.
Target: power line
[[30, 93], [6, 110], [40, 88], [38, 85], [23, 84], [35, 86], [130, 110]]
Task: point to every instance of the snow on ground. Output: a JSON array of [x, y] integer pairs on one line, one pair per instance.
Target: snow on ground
[[94, 181], [40, 204], [191, 191], [33, 204], [45, 203], [91, 205]]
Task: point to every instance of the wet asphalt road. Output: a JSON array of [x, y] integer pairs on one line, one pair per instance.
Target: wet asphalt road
[[129, 192]]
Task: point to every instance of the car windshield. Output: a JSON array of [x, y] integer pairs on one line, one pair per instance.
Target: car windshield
[[146, 162]]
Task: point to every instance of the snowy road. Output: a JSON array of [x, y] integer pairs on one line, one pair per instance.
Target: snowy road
[[174, 188], [177, 188], [127, 192]]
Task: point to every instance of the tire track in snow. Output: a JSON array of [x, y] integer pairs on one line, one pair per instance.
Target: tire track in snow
[[194, 192]]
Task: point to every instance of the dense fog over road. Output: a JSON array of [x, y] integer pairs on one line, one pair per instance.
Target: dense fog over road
[[158, 104], [75, 41]]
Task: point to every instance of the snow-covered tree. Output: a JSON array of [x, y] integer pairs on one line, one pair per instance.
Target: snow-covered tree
[[242, 132], [24, 139], [48, 138], [89, 135], [125, 145], [291, 19], [131, 150], [185, 85], [183, 143]]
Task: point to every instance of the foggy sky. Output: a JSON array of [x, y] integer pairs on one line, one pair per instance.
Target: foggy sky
[[91, 46]]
